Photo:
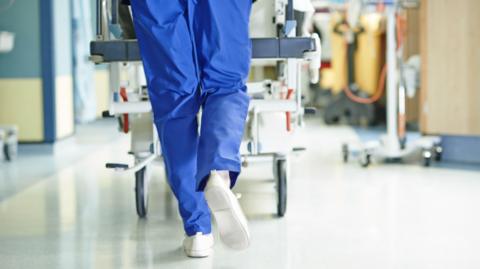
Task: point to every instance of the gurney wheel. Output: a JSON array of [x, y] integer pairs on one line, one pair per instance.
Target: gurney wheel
[[141, 192], [281, 187], [427, 158], [365, 159], [10, 151], [438, 153], [345, 153], [6, 152]]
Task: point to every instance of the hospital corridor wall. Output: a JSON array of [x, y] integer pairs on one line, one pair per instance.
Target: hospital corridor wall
[[36, 82]]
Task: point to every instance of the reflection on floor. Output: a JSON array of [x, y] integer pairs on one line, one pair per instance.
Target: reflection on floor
[[70, 212]]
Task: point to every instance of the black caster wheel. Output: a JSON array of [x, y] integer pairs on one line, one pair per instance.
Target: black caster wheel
[[6, 153], [438, 153], [365, 159], [345, 153], [281, 187], [427, 158], [141, 192], [10, 152]]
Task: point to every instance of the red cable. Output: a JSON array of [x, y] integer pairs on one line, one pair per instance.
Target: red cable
[[126, 124], [289, 114], [401, 30], [401, 37], [375, 97]]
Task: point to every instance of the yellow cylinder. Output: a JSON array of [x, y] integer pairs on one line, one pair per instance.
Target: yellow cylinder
[[369, 56]]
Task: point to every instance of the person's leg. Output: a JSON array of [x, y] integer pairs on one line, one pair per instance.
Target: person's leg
[[179, 140], [224, 53], [167, 50], [223, 121]]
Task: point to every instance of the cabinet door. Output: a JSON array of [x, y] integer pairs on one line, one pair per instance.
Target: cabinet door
[[450, 48]]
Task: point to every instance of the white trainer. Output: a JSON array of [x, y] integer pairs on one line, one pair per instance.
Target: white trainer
[[198, 246], [228, 214]]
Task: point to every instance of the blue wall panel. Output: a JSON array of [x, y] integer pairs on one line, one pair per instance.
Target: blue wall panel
[[465, 149], [48, 69]]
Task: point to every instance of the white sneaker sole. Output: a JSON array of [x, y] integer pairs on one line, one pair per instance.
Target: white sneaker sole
[[198, 253], [231, 222]]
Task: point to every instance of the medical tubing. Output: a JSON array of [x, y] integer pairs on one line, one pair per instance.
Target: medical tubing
[[375, 97]]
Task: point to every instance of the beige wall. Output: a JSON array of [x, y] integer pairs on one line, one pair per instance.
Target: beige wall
[[64, 118], [102, 89], [21, 104]]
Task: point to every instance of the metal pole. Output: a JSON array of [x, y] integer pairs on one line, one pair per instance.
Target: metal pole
[[102, 20], [290, 11], [115, 19], [99, 19], [392, 143]]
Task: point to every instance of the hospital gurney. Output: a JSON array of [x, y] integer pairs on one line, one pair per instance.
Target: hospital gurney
[[129, 98]]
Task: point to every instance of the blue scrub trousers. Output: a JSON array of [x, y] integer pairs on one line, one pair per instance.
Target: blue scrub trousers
[[196, 55]]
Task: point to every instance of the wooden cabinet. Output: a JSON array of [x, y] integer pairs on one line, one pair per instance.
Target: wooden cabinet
[[450, 50]]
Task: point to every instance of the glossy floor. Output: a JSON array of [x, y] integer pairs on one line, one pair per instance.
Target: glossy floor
[[80, 215]]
